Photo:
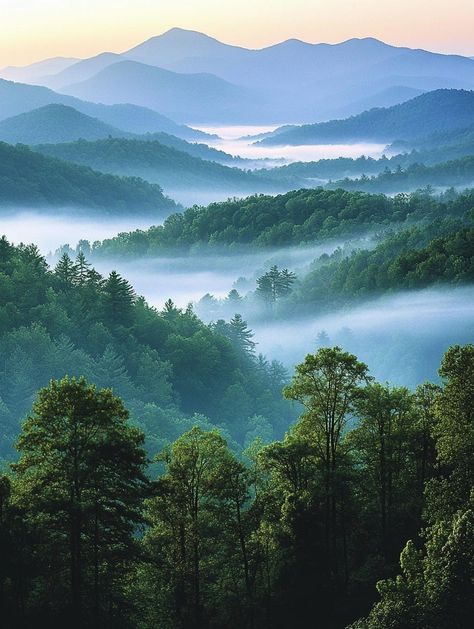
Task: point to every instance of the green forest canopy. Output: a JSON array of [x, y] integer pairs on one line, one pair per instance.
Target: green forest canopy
[[303, 216], [294, 532], [34, 180], [168, 366]]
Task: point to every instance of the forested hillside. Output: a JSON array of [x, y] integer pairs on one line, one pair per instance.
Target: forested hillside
[[437, 111], [159, 163], [167, 365], [292, 532], [29, 179], [312, 173], [196, 149], [237, 358], [412, 259], [459, 172], [54, 123], [294, 218]]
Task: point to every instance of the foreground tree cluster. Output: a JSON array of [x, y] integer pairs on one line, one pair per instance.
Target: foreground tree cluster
[[172, 370], [294, 533]]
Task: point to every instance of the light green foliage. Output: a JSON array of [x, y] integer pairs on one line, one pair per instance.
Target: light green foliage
[[197, 542]]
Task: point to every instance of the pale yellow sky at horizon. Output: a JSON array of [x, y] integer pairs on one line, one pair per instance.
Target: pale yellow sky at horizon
[[32, 30]]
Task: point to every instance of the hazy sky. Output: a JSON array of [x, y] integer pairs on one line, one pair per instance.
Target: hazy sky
[[34, 29]]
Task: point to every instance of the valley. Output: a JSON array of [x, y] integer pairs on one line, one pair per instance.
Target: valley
[[236, 324]]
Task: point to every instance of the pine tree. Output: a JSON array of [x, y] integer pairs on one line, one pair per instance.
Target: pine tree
[[234, 297], [66, 272], [82, 268], [275, 284], [241, 335], [6, 251], [110, 373], [118, 299]]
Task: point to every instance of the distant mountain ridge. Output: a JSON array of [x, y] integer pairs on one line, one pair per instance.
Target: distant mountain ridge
[[54, 123], [178, 172], [440, 110], [33, 72], [185, 97], [329, 80], [19, 98]]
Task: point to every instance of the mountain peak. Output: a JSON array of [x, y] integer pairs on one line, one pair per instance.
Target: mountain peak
[[177, 31], [174, 37], [371, 41]]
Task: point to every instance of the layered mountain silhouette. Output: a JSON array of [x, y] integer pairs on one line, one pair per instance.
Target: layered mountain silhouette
[[290, 81], [39, 71], [437, 111], [176, 171], [19, 98], [54, 123], [187, 97], [30, 179]]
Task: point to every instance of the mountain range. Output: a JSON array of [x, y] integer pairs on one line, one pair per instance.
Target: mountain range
[[292, 81], [438, 111], [185, 97], [54, 123], [19, 98], [184, 177]]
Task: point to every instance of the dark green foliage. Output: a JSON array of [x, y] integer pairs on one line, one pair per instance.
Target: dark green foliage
[[458, 172], [293, 218], [398, 262], [29, 178], [73, 321], [275, 284], [298, 530], [436, 587], [80, 480], [241, 335]]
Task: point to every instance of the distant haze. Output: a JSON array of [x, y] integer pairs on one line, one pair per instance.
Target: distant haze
[[50, 231], [33, 30], [232, 140]]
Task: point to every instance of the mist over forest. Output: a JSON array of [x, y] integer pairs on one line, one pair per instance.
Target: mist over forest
[[236, 337]]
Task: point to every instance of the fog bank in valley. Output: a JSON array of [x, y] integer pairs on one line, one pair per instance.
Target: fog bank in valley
[[238, 141], [402, 337], [186, 279], [49, 231]]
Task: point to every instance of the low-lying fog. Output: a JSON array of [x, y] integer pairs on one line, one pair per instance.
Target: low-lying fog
[[234, 140], [402, 337], [186, 279], [49, 231]]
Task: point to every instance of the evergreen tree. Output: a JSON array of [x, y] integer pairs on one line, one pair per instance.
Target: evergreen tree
[[234, 297], [80, 480], [118, 299], [275, 284], [82, 268], [241, 335], [66, 272]]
